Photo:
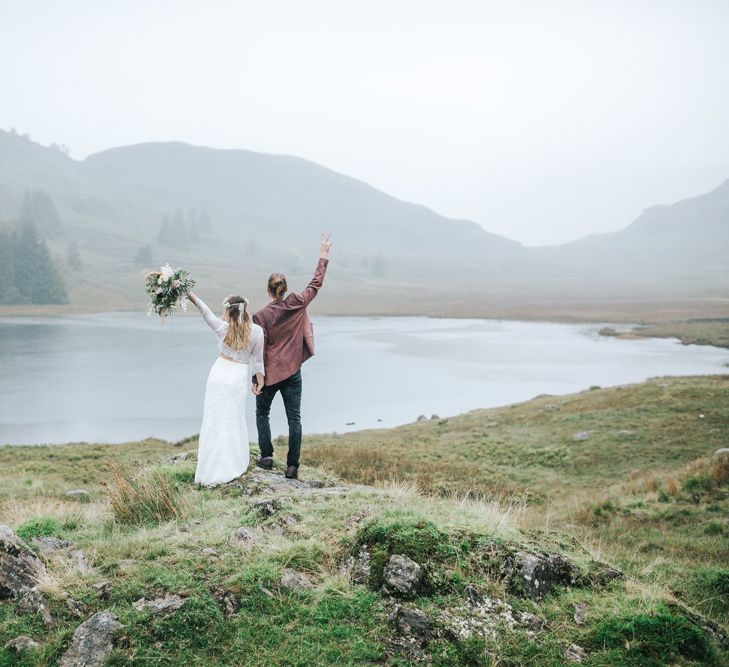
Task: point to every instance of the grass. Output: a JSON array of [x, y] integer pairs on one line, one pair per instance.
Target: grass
[[694, 331], [467, 490], [139, 497]]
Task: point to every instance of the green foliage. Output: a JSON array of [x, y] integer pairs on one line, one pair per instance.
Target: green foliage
[[142, 497], [28, 274], [43, 526], [652, 639]]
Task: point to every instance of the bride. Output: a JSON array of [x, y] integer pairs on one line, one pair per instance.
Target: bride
[[223, 446]]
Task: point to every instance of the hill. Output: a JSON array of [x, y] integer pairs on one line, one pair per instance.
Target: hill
[[233, 216], [277, 572]]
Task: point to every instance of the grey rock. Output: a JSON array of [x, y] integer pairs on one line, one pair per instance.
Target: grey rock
[[20, 567], [535, 575], [103, 587], [580, 612], [294, 580], [227, 601], [422, 418], [48, 544], [243, 537], [92, 641], [32, 601], [625, 433], [361, 567], [78, 494], [574, 653], [266, 508], [550, 407], [211, 552], [75, 607], [410, 621], [179, 458], [434, 417], [721, 451], [402, 575], [581, 436], [160, 606], [21, 643]]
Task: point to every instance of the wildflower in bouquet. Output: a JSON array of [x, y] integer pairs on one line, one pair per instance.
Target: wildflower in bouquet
[[168, 290]]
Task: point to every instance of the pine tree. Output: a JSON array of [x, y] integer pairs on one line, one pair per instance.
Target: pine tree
[[36, 277]]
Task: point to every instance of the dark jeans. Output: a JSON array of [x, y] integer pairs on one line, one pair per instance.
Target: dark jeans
[[290, 389]]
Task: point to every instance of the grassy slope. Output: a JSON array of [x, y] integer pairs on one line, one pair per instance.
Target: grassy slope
[[621, 491], [629, 497]]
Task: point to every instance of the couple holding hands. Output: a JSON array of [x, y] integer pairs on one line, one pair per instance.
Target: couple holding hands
[[267, 350]]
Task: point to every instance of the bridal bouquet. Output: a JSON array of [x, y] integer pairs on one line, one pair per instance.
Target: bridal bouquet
[[168, 290]]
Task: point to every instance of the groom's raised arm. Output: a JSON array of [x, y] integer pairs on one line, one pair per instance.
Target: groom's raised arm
[[312, 289]]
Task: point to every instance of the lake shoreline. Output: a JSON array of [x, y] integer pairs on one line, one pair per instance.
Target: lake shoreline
[[708, 330]]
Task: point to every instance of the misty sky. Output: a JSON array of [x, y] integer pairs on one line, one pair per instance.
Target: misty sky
[[544, 121]]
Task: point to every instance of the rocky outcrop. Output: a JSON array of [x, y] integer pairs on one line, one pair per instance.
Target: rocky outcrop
[[534, 574], [92, 641], [21, 643], [243, 537], [160, 606], [20, 567], [410, 622], [402, 576], [295, 581], [48, 544]]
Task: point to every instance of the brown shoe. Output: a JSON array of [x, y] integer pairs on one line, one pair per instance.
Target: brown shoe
[[292, 472], [265, 462]]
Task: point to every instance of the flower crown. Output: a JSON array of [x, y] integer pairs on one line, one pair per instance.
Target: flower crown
[[243, 302]]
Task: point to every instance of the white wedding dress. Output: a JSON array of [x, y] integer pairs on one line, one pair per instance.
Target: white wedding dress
[[223, 452]]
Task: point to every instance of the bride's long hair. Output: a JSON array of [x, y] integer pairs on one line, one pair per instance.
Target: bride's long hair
[[239, 322]]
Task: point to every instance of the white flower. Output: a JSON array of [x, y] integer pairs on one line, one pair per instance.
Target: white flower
[[159, 280], [159, 290], [166, 272], [176, 284]]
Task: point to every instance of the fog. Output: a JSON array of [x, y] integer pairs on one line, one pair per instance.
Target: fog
[[541, 121]]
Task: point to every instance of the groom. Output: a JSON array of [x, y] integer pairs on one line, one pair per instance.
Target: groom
[[289, 342]]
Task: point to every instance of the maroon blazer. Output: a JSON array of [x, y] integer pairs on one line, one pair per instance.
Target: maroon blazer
[[288, 334]]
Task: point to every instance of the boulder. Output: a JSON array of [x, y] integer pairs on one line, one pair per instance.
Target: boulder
[[103, 587], [266, 508], [92, 641], [32, 601], [581, 436], [295, 581], [21, 643], [402, 576], [20, 568], [360, 567], [243, 537], [48, 544], [410, 621], [722, 451], [574, 653], [580, 612], [160, 606], [534, 575], [422, 418]]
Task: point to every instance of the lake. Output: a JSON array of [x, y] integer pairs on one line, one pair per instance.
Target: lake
[[115, 377]]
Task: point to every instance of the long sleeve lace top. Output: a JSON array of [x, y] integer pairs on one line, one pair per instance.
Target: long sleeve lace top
[[251, 355]]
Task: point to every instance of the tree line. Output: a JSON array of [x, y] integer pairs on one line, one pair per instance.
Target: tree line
[[28, 274]]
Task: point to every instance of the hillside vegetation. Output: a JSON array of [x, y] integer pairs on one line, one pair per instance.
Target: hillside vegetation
[[435, 562], [233, 216]]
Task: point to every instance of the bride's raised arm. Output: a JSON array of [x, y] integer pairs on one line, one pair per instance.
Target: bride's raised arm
[[215, 323]]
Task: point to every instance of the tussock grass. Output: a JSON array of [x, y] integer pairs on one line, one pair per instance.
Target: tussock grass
[[139, 497]]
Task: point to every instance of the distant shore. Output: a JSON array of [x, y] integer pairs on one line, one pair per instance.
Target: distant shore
[[693, 323]]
